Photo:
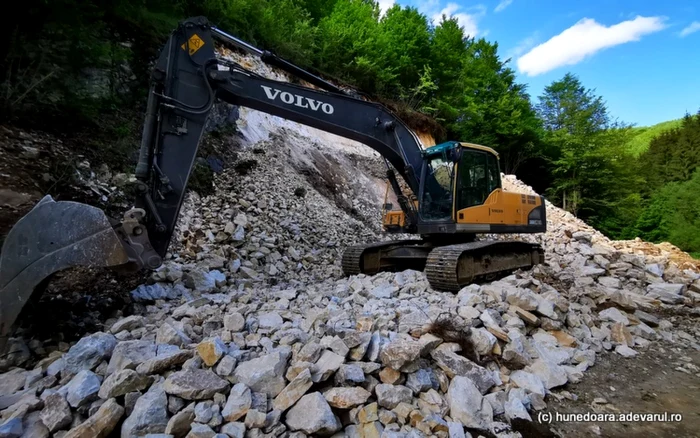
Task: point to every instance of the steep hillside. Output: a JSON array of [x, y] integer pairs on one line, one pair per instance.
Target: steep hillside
[[643, 135]]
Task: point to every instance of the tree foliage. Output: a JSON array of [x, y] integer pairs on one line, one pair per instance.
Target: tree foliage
[[674, 155], [643, 135], [587, 145], [594, 175], [673, 215], [90, 58], [669, 197]]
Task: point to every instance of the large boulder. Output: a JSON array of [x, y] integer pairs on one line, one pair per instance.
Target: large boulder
[[313, 416], [88, 352]]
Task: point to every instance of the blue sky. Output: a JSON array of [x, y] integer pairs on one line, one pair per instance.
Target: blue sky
[[642, 56]]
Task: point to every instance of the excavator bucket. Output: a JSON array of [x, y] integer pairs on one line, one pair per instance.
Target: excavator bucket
[[53, 236]]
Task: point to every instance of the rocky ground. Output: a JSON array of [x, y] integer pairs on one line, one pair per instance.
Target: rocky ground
[[250, 328]]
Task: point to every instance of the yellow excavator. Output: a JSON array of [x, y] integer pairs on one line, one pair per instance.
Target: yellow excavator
[[454, 188]]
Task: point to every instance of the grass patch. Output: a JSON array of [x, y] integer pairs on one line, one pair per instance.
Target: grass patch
[[643, 135]]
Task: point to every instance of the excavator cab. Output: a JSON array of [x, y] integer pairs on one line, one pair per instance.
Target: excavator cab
[[461, 194], [458, 176]]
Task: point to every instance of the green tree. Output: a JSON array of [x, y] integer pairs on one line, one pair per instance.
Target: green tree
[[404, 47], [574, 119], [318, 9], [673, 215], [672, 156], [568, 106], [69, 61], [282, 26], [594, 175], [448, 48], [487, 106], [348, 46]]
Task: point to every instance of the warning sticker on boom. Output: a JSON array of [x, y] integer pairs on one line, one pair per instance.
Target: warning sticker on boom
[[194, 44]]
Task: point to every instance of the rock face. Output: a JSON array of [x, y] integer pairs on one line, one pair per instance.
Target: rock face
[[82, 388], [465, 401], [56, 414], [455, 365], [346, 398], [130, 354], [180, 423], [528, 381], [250, 327], [123, 382], [234, 322], [293, 391], [211, 350], [389, 396], [163, 362], [400, 353], [89, 352], [129, 323], [238, 403], [101, 423]]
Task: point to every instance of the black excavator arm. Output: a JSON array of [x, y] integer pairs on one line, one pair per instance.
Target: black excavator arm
[[187, 80]]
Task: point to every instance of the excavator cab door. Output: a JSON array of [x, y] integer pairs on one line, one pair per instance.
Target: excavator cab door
[[436, 194], [478, 175]]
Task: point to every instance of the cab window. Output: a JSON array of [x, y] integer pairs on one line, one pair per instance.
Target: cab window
[[436, 203], [478, 176]]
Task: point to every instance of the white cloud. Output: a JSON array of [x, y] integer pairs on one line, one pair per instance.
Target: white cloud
[[385, 5], [468, 19], [692, 28], [523, 46], [502, 5], [583, 40]]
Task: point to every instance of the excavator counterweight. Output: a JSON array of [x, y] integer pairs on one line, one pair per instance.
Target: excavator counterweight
[[453, 190]]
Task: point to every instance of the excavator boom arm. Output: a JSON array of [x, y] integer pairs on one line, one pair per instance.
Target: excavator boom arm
[[187, 80]]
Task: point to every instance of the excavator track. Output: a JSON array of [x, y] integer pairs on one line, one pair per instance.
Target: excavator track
[[393, 255], [452, 267], [352, 260], [448, 267]]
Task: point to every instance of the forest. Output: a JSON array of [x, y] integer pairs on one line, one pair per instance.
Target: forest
[[83, 67]]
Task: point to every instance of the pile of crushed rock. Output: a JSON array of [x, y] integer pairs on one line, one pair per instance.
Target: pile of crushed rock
[[220, 349], [276, 222]]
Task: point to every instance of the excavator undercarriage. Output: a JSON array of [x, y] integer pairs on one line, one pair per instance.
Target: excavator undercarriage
[[447, 267]]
